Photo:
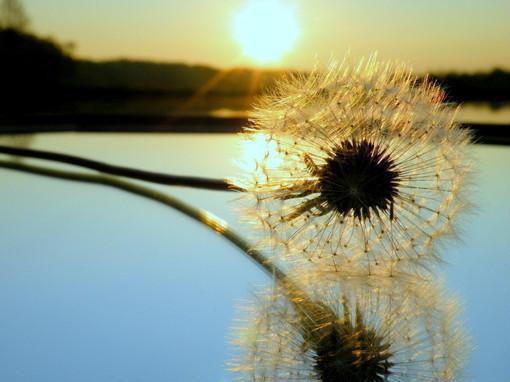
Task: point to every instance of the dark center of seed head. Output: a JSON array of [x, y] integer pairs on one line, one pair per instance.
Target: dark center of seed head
[[359, 177], [352, 353]]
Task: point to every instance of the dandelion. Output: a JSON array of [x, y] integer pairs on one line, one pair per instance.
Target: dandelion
[[358, 163], [352, 333]]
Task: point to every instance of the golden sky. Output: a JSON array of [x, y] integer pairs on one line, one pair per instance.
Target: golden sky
[[431, 35]]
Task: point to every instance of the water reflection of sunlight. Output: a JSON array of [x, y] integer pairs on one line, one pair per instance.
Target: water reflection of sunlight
[[259, 149], [228, 113]]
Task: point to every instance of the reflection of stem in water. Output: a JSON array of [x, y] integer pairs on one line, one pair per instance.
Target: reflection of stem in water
[[202, 216], [295, 294], [312, 314]]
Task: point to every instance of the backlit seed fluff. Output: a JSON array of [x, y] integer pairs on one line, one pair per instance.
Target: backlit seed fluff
[[360, 163], [352, 334]]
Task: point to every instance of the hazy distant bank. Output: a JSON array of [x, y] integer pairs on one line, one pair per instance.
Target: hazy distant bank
[[46, 88], [39, 74], [128, 78]]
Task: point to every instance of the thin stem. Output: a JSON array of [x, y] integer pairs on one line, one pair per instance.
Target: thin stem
[[305, 307], [202, 216], [127, 172]]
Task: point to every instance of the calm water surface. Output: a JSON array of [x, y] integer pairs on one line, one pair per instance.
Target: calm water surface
[[484, 113], [99, 285]]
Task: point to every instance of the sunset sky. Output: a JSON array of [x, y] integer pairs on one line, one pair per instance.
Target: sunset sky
[[431, 35]]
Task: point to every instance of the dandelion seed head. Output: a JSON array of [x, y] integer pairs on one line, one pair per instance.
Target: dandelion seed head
[[355, 162], [352, 331]]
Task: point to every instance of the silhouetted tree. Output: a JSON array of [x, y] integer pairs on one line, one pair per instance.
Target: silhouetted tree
[[491, 86], [32, 69], [13, 15]]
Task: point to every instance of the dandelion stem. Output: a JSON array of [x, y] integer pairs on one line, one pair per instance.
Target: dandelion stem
[[303, 304], [127, 172], [202, 216]]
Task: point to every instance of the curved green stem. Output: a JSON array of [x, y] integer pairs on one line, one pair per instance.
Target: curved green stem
[[305, 307], [204, 217]]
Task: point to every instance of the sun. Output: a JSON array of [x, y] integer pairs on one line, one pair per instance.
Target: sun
[[265, 29]]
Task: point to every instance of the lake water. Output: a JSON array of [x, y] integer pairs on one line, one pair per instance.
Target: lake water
[[478, 112], [99, 285], [484, 113]]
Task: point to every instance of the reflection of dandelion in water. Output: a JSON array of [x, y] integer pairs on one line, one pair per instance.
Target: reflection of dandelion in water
[[355, 332], [360, 164]]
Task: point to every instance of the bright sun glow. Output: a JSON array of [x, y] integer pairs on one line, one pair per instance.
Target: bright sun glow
[[265, 29]]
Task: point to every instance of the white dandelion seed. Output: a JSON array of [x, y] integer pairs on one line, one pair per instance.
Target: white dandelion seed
[[353, 333], [358, 163]]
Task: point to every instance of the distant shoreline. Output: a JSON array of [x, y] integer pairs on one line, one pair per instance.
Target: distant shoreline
[[115, 123]]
